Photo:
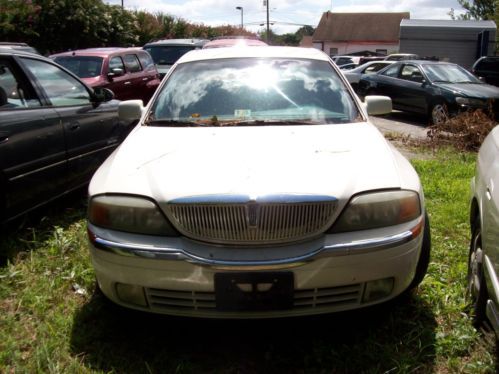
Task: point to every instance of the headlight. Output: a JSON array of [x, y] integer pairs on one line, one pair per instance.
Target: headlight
[[129, 214], [470, 102], [378, 209]]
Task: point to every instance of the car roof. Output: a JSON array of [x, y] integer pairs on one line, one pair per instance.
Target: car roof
[[20, 52], [101, 52], [257, 51], [231, 42], [178, 42]]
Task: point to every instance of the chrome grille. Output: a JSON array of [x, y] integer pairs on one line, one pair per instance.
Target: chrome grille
[[331, 298], [252, 223]]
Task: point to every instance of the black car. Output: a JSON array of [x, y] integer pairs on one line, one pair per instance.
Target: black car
[[436, 89], [487, 69], [54, 131]]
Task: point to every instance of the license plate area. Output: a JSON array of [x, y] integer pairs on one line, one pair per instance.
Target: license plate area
[[254, 291]]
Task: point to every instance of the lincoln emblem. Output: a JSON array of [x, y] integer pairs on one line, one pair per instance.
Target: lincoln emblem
[[252, 211]]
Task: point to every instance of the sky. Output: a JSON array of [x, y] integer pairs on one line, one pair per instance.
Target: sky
[[285, 15]]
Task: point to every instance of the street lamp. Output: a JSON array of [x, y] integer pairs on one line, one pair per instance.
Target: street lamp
[[241, 9]]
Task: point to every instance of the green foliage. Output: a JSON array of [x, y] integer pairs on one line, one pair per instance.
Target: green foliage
[[478, 9]]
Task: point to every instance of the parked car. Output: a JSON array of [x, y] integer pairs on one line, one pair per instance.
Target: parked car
[[401, 57], [483, 264], [19, 47], [54, 131], [347, 66], [166, 52], [487, 69], [436, 89], [129, 72], [343, 60], [353, 75], [255, 186], [234, 42]]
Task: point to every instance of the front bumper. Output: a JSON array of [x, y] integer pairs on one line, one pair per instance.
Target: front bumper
[[331, 273]]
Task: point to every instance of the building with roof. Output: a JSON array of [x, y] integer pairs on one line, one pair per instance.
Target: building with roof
[[347, 33], [460, 42]]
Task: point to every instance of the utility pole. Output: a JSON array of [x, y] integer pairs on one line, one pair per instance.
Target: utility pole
[[268, 26], [241, 9]]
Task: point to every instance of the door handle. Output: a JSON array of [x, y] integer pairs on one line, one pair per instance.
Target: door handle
[[73, 126], [145, 79], [127, 83]]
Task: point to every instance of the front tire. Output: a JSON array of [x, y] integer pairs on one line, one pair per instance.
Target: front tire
[[438, 114], [476, 288]]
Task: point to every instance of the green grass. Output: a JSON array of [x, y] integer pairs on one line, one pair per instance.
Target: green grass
[[53, 321]]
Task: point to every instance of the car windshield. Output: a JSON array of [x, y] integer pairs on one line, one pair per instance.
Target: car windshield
[[253, 91], [167, 55], [82, 66], [448, 73]]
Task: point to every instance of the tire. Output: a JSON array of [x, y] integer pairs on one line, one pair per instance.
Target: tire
[[438, 113], [424, 257], [476, 289]]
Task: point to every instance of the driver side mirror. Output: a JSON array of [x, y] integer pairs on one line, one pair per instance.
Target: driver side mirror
[[376, 105]]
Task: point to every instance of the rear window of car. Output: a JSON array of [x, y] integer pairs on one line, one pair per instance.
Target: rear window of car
[[145, 60], [246, 91], [132, 63], [82, 66], [167, 55]]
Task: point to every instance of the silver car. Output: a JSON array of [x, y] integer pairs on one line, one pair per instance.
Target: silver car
[[255, 186], [483, 265]]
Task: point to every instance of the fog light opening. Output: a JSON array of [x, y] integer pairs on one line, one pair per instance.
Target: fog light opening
[[131, 294], [378, 289]]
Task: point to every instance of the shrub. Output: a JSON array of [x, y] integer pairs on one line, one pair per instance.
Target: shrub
[[465, 131]]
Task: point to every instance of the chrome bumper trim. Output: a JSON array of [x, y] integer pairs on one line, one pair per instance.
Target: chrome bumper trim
[[178, 254]]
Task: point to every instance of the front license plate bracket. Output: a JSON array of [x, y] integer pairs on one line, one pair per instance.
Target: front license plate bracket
[[254, 291]]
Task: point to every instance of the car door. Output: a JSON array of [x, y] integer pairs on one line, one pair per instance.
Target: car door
[[32, 146], [490, 202], [386, 83], [91, 131], [136, 76], [410, 89], [119, 78]]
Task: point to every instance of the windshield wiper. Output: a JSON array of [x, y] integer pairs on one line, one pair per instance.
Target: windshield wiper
[[172, 122]]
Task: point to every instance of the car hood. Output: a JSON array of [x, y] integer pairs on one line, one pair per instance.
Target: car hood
[[480, 90], [171, 163]]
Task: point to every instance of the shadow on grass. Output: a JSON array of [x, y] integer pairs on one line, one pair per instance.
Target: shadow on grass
[[30, 230], [398, 336]]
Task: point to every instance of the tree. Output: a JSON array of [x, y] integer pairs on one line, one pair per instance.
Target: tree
[[477, 9]]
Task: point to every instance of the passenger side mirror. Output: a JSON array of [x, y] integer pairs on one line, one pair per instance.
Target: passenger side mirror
[[116, 72], [376, 105], [130, 110], [102, 95]]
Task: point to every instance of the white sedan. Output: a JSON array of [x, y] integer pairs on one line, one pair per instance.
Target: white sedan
[[483, 264], [254, 186], [353, 75]]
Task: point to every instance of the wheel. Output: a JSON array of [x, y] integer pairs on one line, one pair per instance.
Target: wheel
[[424, 257], [439, 114], [476, 288]]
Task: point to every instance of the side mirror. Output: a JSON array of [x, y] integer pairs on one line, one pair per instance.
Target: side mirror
[[102, 95], [116, 72], [130, 110], [376, 105]]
